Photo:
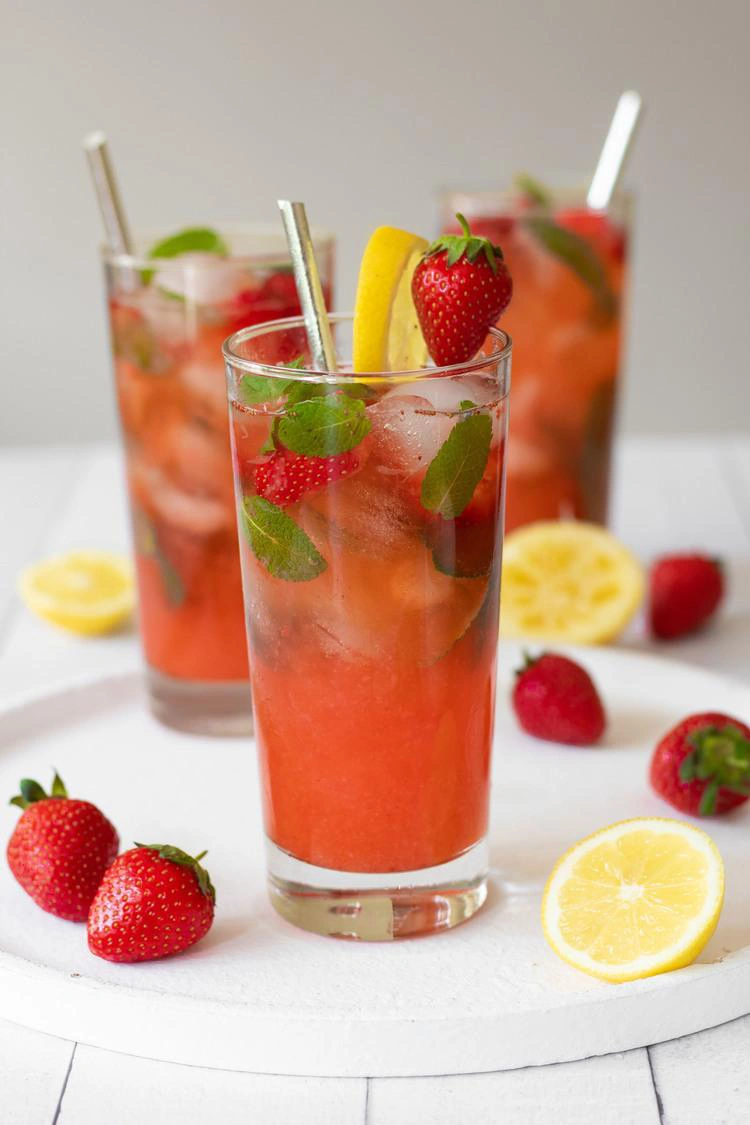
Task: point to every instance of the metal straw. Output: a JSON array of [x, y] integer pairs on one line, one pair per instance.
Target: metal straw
[[615, 151], [105, 185], [309, 289]]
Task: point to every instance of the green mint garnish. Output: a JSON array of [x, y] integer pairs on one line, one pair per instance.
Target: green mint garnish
[[254, 389], [458, 467], [324, 426], [189, 241], [147, 543], [576, 253], [283, 548], [533, 190]]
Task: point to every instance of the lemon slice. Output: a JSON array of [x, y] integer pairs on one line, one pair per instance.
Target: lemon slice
[[635, 899], [87, 592], [568, 581], [387, 336]]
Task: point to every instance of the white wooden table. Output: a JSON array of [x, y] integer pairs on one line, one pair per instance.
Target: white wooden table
[[670, 494]]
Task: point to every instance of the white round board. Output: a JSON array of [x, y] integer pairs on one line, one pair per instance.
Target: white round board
[[258, 995]]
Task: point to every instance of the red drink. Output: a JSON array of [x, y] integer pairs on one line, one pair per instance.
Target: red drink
[[372, 605], [168, 318], [569, 268]]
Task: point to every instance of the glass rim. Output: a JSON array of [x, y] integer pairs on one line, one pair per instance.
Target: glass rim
[[570, 194], [323, 239], [313, 375]]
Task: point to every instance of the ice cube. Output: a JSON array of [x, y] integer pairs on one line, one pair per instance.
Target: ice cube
[[406, 430], [202, 279], [172, 505]]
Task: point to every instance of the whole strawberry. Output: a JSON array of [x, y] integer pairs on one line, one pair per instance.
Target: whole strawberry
[[556, 699], [702, 766], [460, 287], [685, 591], [155, 900], [60, 849]]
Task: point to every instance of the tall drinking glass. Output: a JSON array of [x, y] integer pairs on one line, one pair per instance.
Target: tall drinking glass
[[569, 267], [370, 515], [168, 318]]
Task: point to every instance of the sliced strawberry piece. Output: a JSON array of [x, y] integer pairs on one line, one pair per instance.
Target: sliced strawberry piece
[[285, 477]]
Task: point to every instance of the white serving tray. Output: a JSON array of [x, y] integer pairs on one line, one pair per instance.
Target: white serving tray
[[259, 995]]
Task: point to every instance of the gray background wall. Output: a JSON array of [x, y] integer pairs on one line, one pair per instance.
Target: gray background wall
[[214, 110]]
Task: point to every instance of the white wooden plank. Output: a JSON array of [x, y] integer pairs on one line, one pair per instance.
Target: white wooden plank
[[121, 1090], [32, 1074], [611, 1090], [702, 1078], [34, 483], [94, 516]]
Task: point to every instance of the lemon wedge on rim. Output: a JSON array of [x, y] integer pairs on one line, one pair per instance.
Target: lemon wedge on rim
[[87, 592], [635, 899], [568, 581], [387, 336]]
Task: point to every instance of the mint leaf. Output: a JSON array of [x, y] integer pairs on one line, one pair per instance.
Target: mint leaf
[[324, 426], [283, 548], [253, 389], [533, 190], [147, 543], [576, 253], [457, 467], [190, 241]]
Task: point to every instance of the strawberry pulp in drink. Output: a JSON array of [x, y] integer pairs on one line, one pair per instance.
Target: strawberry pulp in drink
[[169, 314], [569, 268], [371, 516]]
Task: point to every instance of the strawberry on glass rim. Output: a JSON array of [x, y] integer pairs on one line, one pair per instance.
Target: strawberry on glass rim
[[460, 287]]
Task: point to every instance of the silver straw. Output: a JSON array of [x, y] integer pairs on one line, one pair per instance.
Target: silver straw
[[309, 289], [105, 185], [615, 151]]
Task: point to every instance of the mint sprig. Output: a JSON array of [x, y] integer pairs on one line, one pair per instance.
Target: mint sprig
[[324, 426], [284, 549], [533, 189], [576, 253], [191, 240], [458, 466]]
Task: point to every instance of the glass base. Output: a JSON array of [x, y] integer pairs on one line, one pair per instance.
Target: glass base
[[219, 709], [371, 907]]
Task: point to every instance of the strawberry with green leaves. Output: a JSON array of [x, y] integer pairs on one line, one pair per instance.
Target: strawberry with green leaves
[[460, 288], [154, 901], [702, 766], [60, 849]]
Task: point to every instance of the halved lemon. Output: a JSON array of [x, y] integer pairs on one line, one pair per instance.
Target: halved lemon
[[387, 336], [635, 899], [568, 581], [87, 592]]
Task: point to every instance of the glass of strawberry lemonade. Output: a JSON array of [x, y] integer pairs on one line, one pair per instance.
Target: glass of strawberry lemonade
[[370, 513], [170, 307]]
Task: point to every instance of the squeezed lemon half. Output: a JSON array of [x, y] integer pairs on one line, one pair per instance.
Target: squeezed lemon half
[[87, 592], [635, 899], [568, 581], [387, 336]]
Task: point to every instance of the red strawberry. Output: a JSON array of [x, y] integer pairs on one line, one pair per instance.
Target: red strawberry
[[460, 287], [702, 766], [154, 900], [555, 698], [60, 849], [685, 591], [285, 477]]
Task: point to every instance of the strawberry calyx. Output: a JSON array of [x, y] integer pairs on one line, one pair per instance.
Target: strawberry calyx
[[720, 758], [467, 245], [528, 662], [182, 859], [32, 791]]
